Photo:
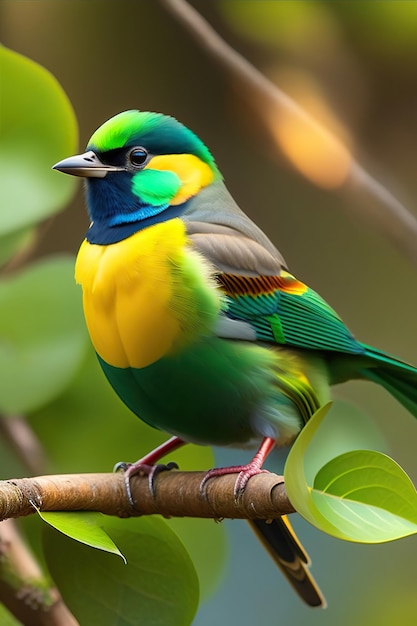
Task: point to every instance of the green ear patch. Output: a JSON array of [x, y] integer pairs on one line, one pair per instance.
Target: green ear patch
[[155, 187]]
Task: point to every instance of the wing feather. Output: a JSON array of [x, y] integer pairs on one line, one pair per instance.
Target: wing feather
[[252, 274], [230, 253], [290, 313]]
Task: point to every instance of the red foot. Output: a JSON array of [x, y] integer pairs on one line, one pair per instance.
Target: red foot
[[147, 465], [245, 471]]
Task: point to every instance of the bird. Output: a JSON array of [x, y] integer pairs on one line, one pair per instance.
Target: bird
[[197, 322]]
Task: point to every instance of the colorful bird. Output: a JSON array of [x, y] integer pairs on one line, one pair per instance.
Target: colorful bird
[[196, 321]]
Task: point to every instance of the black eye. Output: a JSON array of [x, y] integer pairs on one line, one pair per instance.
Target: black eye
[[138, 156]]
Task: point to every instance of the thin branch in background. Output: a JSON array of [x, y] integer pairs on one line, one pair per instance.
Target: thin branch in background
[[176, 494], [367, 198], [19, 436], [23, 589]]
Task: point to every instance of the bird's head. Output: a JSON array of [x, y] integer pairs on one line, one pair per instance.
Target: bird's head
[[140, 168]]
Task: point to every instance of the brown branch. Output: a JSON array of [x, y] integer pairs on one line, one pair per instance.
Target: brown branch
[[368, 198], [15, 430], [176, 494], [23, 588]]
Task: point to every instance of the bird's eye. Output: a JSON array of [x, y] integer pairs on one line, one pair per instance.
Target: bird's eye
[[138, 157]]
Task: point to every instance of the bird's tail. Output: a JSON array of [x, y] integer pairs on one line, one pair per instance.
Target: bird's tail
[[397, 377], [282, 544], [277, 535]]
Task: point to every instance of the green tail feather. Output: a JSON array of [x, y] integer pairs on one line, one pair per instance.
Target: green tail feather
[[397, 377]]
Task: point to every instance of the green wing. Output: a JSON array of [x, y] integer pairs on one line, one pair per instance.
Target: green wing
[[283, 310]]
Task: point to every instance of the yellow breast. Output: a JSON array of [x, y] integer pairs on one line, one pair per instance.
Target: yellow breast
[[133, 301]]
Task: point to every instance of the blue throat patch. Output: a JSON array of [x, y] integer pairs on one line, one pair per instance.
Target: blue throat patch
[[116, 213], [103, 232]]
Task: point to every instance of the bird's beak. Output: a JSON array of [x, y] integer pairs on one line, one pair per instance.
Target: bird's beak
[[87, 164]]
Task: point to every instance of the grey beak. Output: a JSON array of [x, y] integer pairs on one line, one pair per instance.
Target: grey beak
[[87, 164]]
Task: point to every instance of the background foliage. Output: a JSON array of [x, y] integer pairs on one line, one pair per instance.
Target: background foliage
[[350, 64]]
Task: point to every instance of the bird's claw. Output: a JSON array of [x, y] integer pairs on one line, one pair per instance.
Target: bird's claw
[[245, 472], [157, 469], [121, 466], [242, 480], [151, 471]]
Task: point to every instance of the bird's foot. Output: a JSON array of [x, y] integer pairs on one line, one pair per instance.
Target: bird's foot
[[245, 472], [147, 466], [144, 469]]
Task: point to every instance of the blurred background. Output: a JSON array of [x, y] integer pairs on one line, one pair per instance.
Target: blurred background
[[352, 66]]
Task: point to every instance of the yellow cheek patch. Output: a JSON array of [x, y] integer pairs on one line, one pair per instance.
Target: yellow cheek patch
[[127, 294], [193, 173]]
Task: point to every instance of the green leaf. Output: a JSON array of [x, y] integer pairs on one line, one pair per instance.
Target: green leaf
[[368, 496], [83, 526], [346, 428], [158, 585], [42, 334], [38, 128], [361, 496], [207, 544], [296, 481]]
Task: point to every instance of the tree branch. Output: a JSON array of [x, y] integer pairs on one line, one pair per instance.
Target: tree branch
[[23, 587], [15, 430], [177, 494], [368, 198]]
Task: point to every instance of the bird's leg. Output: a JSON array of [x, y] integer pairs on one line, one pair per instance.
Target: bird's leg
[[245, 471], [147, 465]]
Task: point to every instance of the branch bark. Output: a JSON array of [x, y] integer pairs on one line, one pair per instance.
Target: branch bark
[[368, 198], [177, 494]]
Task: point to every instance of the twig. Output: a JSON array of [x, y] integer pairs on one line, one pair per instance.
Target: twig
[[176, 494], [20, 437], [23, 588], [368, 198]]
